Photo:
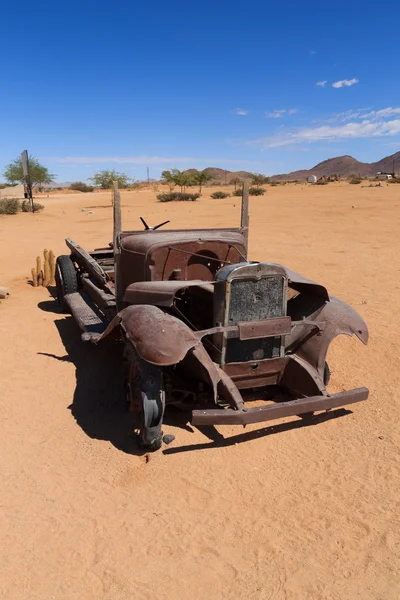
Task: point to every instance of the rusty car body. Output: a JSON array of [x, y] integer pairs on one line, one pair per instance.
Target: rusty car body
[[204, 328]]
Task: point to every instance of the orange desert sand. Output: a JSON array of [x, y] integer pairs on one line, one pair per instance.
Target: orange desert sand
[[279, 511]]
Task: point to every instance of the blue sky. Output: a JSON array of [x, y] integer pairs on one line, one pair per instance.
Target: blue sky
[[239, 85]]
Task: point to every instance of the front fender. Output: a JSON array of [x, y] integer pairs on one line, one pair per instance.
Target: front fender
[[161, 339], [336, 318], [158, 337]]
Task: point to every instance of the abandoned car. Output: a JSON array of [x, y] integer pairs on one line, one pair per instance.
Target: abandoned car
[[202, 326]]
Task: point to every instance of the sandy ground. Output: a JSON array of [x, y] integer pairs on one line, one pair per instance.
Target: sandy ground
[[283, 512]]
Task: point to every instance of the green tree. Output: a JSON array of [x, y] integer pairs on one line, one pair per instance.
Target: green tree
[[259, 179], [168, 178], [105, 179], [202, 177], [235, 181], [177, 177], [38, 173]]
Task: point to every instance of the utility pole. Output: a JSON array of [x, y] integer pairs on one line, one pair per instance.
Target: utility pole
[[148, 176]]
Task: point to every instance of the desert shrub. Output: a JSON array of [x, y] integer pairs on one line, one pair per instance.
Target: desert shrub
[[238, 192], [26, 206], [3, 185], [394, 180], [256, 191], [274, 183], [79, 186], [354, 179], [217, 195], [321, 182], [9, 206], [177, 196]]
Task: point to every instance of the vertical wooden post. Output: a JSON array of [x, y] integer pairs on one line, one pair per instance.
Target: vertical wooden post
[[117, 250], [27, 178], [244, 221]]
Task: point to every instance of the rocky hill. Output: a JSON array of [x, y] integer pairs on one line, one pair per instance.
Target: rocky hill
[[340, 165], [223, 175], [345, 166]]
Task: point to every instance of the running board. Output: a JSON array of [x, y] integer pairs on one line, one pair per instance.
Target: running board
[[89, 321]]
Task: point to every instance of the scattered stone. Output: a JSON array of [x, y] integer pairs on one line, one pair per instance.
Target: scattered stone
[[168, 438], [4, 292]]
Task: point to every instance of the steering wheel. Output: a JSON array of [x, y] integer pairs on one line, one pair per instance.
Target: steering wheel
[[147, 227]]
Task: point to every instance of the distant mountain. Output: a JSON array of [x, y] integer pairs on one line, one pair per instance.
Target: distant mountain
[[223, 175], [345, 166]]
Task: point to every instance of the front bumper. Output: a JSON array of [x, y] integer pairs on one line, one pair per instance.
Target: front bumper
[[229, 416]]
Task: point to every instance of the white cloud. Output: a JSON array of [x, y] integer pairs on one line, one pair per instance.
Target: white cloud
[[344, 83], [321, 83], [352, 124], [241, 111], [384, 112], [135, 160], [277, 114], [313, 52]]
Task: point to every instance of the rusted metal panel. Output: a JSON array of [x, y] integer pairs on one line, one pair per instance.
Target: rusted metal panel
[[255, 373], [254, 329], [266, 328], [160, 293], [300, 283], [158, 337], [155, 255], [98, 295], [337, 318], [290, 408]]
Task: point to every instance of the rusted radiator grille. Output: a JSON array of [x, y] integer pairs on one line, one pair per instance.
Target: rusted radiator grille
[[254, 300]]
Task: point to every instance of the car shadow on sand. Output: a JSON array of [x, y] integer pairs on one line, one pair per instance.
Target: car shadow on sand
[[100, 408], [98, 405]]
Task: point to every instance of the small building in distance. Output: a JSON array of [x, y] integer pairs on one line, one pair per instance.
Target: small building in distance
[[13, 191], [384, 176], [312, 179]]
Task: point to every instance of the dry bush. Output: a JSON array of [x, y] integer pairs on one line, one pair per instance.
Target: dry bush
[[9, 206], [177, 196], [256, 191], [217, 195], [79, 186], [26, 206]]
